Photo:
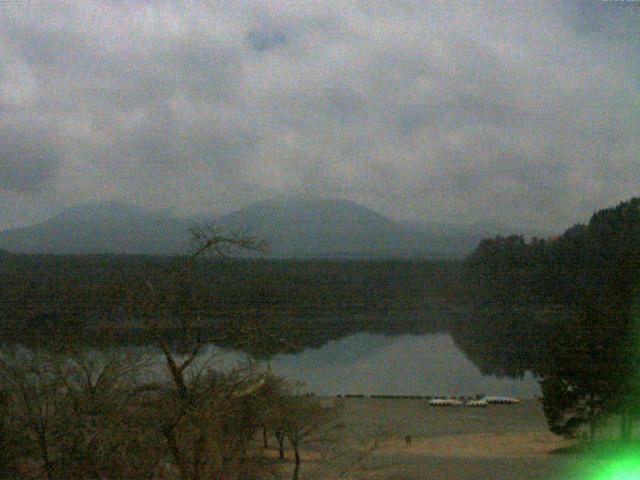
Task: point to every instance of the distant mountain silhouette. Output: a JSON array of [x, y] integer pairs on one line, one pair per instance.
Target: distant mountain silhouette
[[315, 227], [320, 227], [109, 227], [294, 227]]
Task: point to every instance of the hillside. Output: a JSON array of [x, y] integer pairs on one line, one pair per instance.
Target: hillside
[[109, 227], [294, 227], [309, 227]]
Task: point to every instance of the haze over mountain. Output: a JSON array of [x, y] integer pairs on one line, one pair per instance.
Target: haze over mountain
[[106, 227], [293, 227], [311, 227]]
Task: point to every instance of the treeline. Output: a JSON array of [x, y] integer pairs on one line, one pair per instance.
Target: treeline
[[587, 264], [221, 298], [587, 279]]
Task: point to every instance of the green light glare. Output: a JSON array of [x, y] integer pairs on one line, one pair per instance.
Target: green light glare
[[624, 466]]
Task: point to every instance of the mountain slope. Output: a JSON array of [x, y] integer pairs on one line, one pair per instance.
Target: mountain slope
[[109, 227], [294, 227], [316, 227]]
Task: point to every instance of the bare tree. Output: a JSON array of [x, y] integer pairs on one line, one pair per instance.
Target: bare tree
[[276, 416], [35, 408], [195, 412], [208, 241], [72, 415], [209, 431], [273, 389], [297, 418], [307, 417], [103, 436]]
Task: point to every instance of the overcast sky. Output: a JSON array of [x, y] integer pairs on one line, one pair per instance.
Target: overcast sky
[[522, 113]]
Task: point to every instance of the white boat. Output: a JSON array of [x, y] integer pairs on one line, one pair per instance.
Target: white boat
[[501, 400], [445, 402], [476, 403]]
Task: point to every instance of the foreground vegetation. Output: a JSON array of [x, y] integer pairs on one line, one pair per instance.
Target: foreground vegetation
[[79, 414]]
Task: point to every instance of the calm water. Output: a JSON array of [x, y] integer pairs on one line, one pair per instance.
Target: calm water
[[368, 364]]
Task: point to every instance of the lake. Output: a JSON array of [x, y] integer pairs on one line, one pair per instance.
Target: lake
[[367, 363]]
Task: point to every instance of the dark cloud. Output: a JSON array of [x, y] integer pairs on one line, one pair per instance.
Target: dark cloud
[[265, 39], [523, 115]]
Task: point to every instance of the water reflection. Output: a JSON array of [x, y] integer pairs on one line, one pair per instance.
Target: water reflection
[[436, 351], [366, 363]]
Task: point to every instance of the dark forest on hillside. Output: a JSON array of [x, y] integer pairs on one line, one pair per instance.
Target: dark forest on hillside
[[82, 294], [589, 277]]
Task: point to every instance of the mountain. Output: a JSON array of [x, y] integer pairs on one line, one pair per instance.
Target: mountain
[[294, 227], [108, 227], [322, 227]]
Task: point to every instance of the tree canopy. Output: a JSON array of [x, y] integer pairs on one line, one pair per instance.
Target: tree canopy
[[590, 367]]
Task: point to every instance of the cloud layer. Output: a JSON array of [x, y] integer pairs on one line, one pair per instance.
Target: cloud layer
[[519, 113]]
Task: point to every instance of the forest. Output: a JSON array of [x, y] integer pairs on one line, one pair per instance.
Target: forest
[[78, 295], [587, 277]]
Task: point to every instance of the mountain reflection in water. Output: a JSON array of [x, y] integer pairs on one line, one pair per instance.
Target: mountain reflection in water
[[366, 363]]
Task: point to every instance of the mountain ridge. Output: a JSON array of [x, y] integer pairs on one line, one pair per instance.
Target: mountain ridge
[[295, 227]]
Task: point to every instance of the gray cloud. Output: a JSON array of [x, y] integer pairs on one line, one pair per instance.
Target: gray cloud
[[265, 39], [27, 161], [525, 115]]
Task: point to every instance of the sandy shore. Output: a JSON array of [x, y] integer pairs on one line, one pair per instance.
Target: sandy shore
[[481, 445], [497, 442]]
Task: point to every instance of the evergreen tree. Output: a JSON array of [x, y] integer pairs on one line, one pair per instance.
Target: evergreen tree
[[585, 373]]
